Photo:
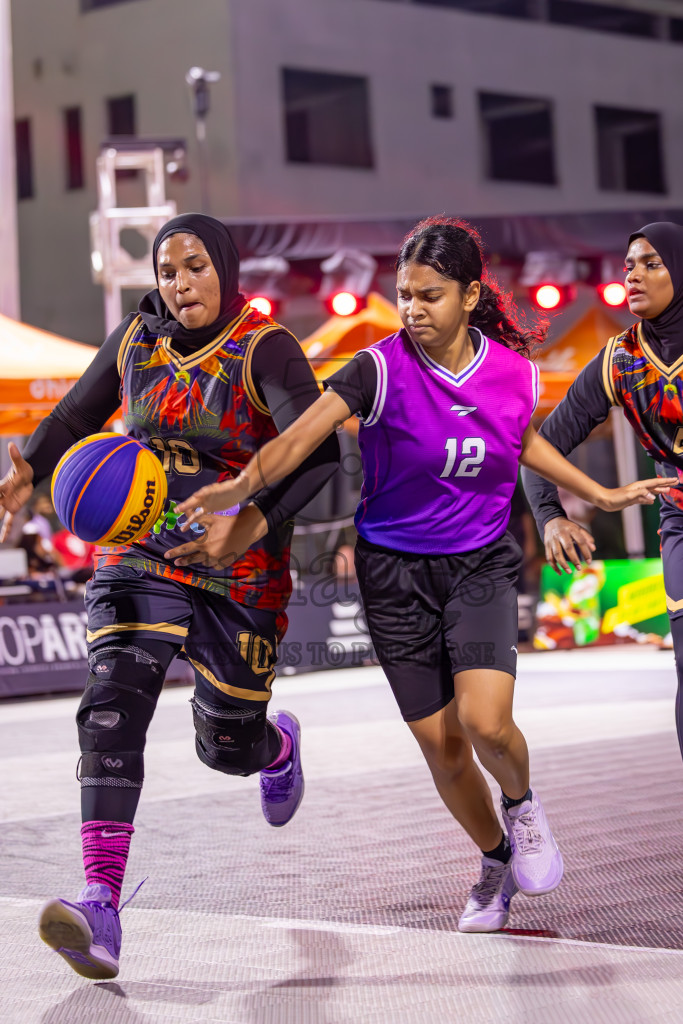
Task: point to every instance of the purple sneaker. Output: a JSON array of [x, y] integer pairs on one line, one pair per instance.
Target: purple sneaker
[[282, 789], [488, 907], [536, 861], [87, 933]]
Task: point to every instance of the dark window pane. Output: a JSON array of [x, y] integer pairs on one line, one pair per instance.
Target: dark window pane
[[676, 30], [518, 135], [121, 115], [602, 18], [327, 118], [442, 101], [24, 157], [91, 5], [73, 143], [507, 8], [629, 150]]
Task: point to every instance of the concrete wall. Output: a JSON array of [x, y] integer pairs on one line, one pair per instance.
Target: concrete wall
[[424, 163]]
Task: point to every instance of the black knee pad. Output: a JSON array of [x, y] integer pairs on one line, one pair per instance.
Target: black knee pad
[[119, 700], [235, 740]]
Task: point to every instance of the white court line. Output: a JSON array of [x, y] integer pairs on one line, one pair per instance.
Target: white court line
[[340, 928]]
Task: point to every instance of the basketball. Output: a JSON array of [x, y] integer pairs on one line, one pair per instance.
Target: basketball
[[108, 489]]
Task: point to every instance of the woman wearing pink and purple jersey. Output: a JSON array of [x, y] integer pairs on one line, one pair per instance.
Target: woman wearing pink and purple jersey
[[445, 407]]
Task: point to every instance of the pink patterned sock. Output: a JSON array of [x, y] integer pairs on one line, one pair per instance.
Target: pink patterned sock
[[105, 852], [284, 752]]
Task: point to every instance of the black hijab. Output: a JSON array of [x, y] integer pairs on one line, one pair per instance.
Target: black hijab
[[665, 332], [225, 258]]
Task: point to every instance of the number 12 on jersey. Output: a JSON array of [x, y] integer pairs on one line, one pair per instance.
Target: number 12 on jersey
[[471, 455]]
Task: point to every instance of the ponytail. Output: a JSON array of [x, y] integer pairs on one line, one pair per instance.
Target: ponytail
[[497, 316]]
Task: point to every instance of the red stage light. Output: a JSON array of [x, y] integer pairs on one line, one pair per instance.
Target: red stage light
[[547, 296], [613, 293], [344, 303], [262, 304]]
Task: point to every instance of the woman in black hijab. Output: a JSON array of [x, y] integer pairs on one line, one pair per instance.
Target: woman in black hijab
[[224, 257], [204, 380], [640, 370]]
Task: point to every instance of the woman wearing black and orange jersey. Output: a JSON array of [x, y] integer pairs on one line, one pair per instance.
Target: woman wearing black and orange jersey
[[205, 381], [640, 370]]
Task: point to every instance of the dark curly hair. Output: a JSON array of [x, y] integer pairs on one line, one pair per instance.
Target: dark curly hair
[[453, 248]]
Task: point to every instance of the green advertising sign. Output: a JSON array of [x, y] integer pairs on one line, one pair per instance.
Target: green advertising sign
[[605, 603]]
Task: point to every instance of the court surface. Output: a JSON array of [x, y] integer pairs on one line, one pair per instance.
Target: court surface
[[349, 914]]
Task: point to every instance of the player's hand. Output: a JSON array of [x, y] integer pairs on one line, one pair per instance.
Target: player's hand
[[213, 498], [640, 492], [567, 545], [225, 539], [15, 488]]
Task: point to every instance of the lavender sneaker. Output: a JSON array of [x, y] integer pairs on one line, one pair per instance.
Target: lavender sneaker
[[282, 789], [87, 932], [488, 907], [536, 861]]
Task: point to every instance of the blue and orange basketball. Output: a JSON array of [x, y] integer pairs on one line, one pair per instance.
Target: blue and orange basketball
[[109, 489]]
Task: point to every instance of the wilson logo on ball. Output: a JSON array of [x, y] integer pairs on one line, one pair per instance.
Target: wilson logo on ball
[[109, 489]]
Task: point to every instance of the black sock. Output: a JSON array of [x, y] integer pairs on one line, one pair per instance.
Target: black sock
[[502, 852], [508, 802]]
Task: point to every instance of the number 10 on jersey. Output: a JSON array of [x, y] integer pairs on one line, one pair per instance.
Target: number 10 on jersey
[[471, 454]]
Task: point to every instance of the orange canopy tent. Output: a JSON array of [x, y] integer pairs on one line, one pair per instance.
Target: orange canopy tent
[[561, 360], [340, 337], [36, 370]]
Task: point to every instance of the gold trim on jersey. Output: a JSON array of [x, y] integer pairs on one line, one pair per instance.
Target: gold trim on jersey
[[607, 382], [673, 606], [247, 378], [666, 371], [232, 691], [195, 358], [136, 627], [126, 343]]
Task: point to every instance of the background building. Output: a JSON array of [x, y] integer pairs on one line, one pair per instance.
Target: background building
[[341, 109]]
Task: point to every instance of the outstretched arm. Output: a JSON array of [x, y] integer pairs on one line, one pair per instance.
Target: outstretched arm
[[274, 461], [82, 411], [585, 405], [540, 456]]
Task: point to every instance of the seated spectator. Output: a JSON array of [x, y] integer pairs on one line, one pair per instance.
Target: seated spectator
[[75, 554]]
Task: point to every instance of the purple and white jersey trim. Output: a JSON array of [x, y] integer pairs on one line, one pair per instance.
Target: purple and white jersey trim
[[381, 394]]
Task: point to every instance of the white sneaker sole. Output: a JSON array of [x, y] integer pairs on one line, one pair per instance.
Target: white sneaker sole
[[475, 926], [67, 931]]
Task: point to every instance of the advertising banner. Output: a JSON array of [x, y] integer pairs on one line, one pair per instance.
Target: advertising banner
[[611, 602], [42, 645]]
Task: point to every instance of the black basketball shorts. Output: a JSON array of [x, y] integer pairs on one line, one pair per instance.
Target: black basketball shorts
[[431, 617]]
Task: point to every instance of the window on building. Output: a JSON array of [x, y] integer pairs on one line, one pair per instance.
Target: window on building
[[629, 150], [121, 115], [508, 8], [327, 118], [442, 101], [602, 17], [91, 5], [73, 147], [24, 158], [676, 30], [518, 138]]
